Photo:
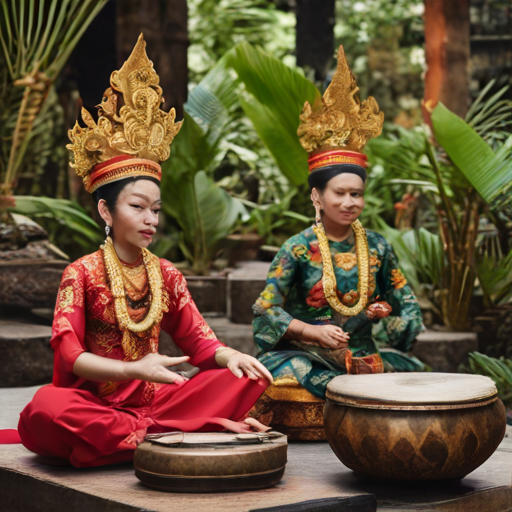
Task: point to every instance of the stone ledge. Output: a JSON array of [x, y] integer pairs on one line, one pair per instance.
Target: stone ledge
[[30, 284], [445, 351], [27, 358], [244, 286]]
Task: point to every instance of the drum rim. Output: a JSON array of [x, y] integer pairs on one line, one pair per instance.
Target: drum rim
[[365, 403]]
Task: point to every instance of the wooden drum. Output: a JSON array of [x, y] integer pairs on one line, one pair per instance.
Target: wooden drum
[[211, 462], [413, 426]]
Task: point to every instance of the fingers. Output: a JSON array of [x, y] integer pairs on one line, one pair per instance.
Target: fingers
[[265, 373], [251, 367], [165, 376], [235, 369], [341, 334], [173, 361], [175, 378]]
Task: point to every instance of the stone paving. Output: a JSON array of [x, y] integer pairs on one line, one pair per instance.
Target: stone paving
[[314, 481]]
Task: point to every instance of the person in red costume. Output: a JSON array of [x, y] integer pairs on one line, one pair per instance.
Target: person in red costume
[[110, 385]]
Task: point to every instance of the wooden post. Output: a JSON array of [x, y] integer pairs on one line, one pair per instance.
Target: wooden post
[[447, 48], [315, 35], [164, 24]]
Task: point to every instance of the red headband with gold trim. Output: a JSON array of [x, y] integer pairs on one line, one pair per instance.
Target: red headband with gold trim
[[337, 156], [120, 167]]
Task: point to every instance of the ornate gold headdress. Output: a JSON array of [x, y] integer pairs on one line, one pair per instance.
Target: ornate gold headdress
[[338, 131], [131, 140]]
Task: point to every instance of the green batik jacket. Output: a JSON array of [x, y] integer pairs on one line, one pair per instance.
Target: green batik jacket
[[294, 290]]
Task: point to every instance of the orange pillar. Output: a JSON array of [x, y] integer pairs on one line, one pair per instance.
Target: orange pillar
[[447, 51]]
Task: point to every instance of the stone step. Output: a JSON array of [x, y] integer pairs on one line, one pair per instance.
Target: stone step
[[244, 286], [27, 358], [445, 351], [30, 284], [237, 336]]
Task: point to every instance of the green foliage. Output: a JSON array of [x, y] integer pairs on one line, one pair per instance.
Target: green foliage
[[36, 40], [67, 223], [499, 370], [217, 26], [205, 212], [491, 118], [495, 278], [488, 172], [270, 219], [276, 95]]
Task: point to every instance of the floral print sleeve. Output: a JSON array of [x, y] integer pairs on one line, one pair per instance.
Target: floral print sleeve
[[271, 320], [405, 322]]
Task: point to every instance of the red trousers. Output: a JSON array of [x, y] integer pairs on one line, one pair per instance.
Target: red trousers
[[77, 425]]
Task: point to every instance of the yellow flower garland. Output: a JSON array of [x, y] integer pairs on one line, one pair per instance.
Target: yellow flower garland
[[329, 278], [115, 274]]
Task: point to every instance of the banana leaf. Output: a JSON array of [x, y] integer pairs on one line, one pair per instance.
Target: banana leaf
[[488, 172]]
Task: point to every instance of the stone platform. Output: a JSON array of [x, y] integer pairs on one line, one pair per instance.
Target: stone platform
[[314, 481]]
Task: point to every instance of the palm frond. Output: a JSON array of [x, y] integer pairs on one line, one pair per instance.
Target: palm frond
[[488, 172]]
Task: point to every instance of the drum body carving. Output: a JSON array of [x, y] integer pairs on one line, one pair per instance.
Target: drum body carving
[[407, 438], [211, 463], [289, 408]]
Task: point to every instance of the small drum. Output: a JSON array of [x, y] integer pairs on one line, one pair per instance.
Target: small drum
[[288, 407], [211, 462], [414, 426]]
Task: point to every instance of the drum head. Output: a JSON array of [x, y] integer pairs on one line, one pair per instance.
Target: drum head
[[412, 389]]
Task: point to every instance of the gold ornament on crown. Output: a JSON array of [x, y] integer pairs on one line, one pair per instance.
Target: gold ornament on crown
[[329, 277], [342, 121], [138, 128], [115, 275]]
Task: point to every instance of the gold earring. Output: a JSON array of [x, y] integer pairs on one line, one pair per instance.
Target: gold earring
[[318, 216]]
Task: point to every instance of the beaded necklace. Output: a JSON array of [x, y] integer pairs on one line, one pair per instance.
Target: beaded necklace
[[329, 278], [115, 274]]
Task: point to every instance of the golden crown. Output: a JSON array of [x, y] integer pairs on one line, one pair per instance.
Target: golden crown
[[342, 121], [139, 128]]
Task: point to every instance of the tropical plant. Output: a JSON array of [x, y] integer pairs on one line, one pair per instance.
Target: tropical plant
[[499, 370], [205, 212], [68, 225], [275, 96], [36, 39], [217, 26], [269, 219], [495, 278]]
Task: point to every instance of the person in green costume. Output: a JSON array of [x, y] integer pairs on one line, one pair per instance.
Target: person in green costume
[[330, 284]]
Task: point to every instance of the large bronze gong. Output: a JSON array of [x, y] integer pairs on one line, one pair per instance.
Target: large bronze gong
[[211, 462], [413, 426]]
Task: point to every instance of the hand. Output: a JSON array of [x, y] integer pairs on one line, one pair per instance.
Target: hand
[[241, 364], [152, 368], [328, 336], [378, 310]]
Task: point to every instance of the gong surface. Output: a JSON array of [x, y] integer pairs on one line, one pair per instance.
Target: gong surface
[[210, 462]]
